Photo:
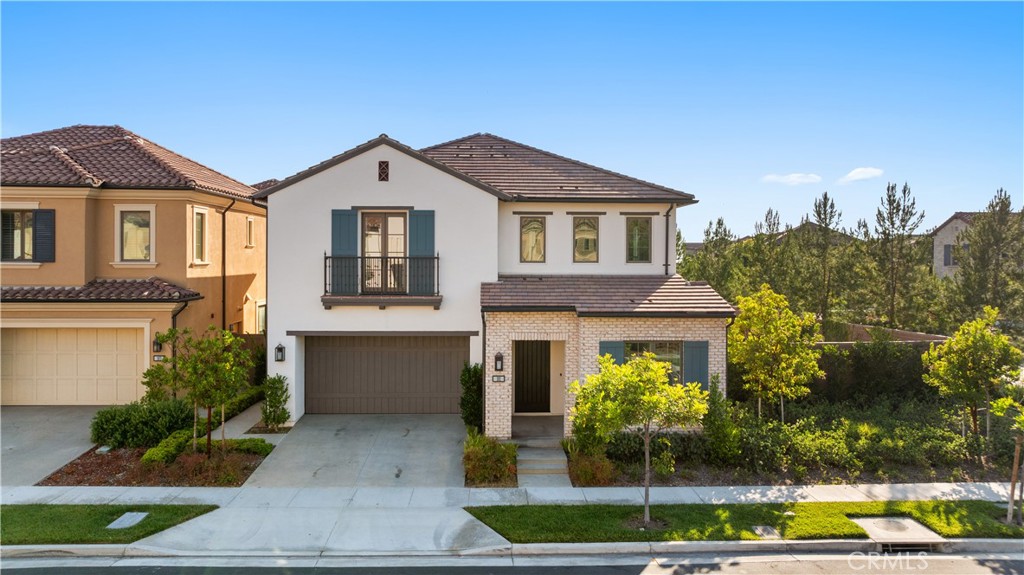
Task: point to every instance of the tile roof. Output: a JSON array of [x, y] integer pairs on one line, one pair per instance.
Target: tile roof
[[260, 186], [654, 296], [965, 217], [529, 173], [105, 156], [151, 289]]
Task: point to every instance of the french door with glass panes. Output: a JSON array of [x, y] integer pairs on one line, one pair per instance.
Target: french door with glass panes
[[384, 253]]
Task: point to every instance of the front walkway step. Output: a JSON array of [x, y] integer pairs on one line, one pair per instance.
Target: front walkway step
[[536, 462], [538, 442]]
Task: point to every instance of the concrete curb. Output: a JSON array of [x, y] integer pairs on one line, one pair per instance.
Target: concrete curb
[[524, 549]]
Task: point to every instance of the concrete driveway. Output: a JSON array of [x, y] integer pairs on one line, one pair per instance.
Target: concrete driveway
[[35, 440], [367, 451]]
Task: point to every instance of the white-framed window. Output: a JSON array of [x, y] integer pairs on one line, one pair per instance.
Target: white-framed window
[[200, 221], [250, 232], [134, 234]]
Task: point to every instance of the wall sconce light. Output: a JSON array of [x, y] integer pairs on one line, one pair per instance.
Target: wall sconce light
[[279, 353], [157, 346], [499, 362]]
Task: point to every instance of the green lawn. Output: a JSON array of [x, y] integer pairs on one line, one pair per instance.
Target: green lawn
[[71, 524], [702, 522]]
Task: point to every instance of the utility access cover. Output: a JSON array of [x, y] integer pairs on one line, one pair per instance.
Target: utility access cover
[[130, 519], [897, 530]]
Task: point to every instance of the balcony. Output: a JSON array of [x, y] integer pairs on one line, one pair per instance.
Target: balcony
[[381, 281]]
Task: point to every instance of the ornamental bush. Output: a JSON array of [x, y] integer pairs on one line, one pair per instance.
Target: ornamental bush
[[487, 461], [140, 424], [471, 403], [274, 410]]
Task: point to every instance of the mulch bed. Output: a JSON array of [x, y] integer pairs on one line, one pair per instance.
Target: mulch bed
[[123, 467], [260, 430]]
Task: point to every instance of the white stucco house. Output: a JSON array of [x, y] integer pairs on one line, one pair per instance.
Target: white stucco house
[[390, 267]]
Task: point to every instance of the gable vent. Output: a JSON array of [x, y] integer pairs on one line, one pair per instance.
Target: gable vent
[[383, 171]]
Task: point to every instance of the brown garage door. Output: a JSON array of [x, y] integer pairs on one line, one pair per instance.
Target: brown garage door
[[384, 374]]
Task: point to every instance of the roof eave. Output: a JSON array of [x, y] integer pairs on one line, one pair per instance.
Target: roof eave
[[665, 314], [366, 147], [604, 199], [101, 300]]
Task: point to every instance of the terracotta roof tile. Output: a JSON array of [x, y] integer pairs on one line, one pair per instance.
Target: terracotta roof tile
[[107, 156], [532, 174], [151, 289], [605, 296], [260, 186]]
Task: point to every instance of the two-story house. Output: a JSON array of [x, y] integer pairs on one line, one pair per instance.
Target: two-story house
[[944, 238], [390, 267], [109, 239]]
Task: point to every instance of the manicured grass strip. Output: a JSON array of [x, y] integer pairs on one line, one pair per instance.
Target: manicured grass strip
[[703, 522], [77, 524]]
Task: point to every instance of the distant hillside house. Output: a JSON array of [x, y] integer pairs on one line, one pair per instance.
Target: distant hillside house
[[944, 237]]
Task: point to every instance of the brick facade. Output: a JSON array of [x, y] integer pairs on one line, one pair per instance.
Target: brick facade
[[582, 337]]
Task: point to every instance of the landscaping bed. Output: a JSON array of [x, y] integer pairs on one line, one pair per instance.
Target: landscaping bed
[[704, 522], [87, 524], [124, 467]]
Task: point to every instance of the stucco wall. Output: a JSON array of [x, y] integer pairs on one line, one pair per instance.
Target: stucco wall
[[300, 234], [611, 239], [582, 337]]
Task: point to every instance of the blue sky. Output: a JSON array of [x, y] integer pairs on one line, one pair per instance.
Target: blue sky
[[747, 106]]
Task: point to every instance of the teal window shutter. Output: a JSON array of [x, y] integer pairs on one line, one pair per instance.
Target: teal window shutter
[[695, 363], [617, 349], [44, 236], [422, 267], [344, 252]]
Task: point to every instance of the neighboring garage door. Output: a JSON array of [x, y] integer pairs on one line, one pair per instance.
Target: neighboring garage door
[[70, 366], [384, 374]]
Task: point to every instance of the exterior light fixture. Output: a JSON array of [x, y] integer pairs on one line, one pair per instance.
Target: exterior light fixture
[[499, 362], [279, 353], [157, 346]]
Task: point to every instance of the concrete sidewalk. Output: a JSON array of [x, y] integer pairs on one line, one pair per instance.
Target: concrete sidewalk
[[353, 522]]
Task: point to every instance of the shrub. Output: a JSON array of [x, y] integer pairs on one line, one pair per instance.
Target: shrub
[[487, 461], [591, 470], [721, 432], [627, 447], [763, 444], [275, 400], [253, 445], [140, 424], [168, 449], [471, 403]]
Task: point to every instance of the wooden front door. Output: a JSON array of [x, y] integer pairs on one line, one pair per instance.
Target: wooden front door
[[533, 376]]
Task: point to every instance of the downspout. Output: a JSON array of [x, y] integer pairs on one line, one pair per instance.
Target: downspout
[[483, 366], [224, 266], [174, 325], [666, 238]]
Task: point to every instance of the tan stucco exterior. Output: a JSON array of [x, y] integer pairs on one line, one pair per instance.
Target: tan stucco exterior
[[86, 249]]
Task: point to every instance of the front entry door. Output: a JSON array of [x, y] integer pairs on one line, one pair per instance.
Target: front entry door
[[533, 376]]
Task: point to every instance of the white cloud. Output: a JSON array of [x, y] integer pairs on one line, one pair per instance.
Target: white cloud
[[858, 174], [791, 179]]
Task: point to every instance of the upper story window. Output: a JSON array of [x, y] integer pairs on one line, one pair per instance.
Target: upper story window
[[135, 233], [638, 240], [199, 218], [584, 239], [531, 238], [17, 235], [250, 232]]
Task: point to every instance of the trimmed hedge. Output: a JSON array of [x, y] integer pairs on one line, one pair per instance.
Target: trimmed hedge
[[169, 448], [471, 404], [139, 424]]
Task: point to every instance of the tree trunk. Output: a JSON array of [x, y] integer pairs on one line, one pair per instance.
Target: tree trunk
[[223, 441], [974, 420], [195, 424], [647, 476], [759, 407], [1020, 497], [1013, 478], [209, 432], [782, 407]]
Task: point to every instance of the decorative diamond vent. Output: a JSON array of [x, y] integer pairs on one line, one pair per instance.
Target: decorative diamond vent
[[383, 171]]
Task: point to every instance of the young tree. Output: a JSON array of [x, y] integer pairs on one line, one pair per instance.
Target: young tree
[[215, 368], [637, 394], [1002, 407], [763, 252], [973, 364], [895, 250], [775, 347], [991, 258]]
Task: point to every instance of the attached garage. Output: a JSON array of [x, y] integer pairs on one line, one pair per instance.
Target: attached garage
[[384, 374], [71, 366]]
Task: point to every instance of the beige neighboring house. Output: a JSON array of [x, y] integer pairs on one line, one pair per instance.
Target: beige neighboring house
[[107, 240], [944, 237]]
